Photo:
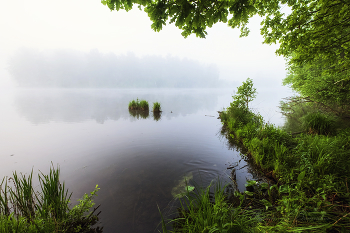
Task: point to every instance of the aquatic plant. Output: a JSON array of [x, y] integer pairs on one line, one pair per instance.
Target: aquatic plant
[[182, 187], [139, 105], [143, 105], [22, 209], [205, 211], [134, 105], [156, 107]]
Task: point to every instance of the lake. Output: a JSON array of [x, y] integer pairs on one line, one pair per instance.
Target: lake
[[137, 161]]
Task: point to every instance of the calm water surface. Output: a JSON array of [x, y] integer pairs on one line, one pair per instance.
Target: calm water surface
[[136, 162]]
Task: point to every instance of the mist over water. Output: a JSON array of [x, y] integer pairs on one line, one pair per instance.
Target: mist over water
[[74, 69], [76, 105]]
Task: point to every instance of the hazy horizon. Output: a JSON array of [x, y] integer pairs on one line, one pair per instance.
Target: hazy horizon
[[76, 69], [88, 25]]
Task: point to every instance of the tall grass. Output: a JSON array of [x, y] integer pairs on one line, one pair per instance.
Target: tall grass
[[210, 211], [22, 209]]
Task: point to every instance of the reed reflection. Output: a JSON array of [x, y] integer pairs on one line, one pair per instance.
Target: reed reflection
[[139, 114], [157, 116]]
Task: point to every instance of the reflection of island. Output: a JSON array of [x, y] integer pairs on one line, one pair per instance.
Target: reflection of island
[[157, 116], [139, 114], [76, 105]]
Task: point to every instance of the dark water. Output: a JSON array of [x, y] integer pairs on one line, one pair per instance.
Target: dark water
[[136, 162]]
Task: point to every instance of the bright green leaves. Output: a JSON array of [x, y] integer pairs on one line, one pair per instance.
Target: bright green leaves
[[314, 30], [330, 92], [123, 4], [245, 94], [192, 17], [182, 188]]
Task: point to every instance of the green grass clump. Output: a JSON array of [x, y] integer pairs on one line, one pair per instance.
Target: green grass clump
[[139, 105], [143, 106], [207, 211], [156, 107], [133, 105], [22, 209]]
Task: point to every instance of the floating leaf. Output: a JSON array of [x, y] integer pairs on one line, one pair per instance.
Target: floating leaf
[[190, 188], [182, 187]]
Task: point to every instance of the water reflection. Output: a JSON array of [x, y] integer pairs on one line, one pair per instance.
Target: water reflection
[[139, 114], [157, 116], [75, 105]]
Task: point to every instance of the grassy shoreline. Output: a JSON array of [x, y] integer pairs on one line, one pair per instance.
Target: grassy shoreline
[[309, 171]]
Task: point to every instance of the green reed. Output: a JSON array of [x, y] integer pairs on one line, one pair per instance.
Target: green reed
[[133, 105], [143, 106], [156, 107], [139, 105], [207, 211], [22, 209]]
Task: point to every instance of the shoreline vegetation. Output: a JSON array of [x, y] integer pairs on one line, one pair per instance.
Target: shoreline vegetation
[[24, 209], [307, 171]]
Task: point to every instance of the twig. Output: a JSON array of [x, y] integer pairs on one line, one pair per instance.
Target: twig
[[341, 218]]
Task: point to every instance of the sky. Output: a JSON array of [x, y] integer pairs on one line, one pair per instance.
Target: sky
[[85, 25]]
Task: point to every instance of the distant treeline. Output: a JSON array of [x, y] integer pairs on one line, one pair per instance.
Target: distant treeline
[[68, 68]]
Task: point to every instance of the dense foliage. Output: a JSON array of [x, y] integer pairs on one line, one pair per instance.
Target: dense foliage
[[315, 29], [310, 168]]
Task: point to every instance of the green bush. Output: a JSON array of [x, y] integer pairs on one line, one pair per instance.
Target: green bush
[[318, 123]]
